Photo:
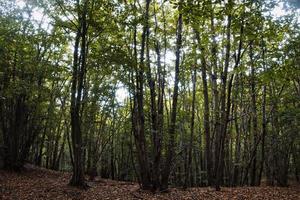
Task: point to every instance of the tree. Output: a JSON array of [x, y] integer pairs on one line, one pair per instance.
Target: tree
[[172, 128], [79, 70]]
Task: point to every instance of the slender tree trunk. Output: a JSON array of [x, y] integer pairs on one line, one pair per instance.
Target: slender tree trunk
[[57, 136], [157, 113], [223, 127], [206, 108], [215, 95], [254, 116], [264, 124], [237, 164], [172, 128], [153, 108], [189, 177]]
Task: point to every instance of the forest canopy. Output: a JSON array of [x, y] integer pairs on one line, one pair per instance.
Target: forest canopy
[[165, 93]]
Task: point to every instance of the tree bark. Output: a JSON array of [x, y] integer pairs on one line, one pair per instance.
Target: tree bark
[[219, 148], [254, 116], [139, 110], [171, 144], [189, 177], [206, 108], [264, 122], [79, 68]]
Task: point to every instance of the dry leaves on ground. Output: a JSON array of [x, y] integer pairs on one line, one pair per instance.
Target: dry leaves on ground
[[39, 184]]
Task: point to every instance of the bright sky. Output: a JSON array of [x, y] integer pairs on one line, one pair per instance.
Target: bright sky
[[278, 10], [38, 14]]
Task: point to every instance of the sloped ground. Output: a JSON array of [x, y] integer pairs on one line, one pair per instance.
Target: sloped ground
[[39, 184]]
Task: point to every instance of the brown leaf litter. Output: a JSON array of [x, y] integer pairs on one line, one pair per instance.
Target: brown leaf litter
[[39, 184]]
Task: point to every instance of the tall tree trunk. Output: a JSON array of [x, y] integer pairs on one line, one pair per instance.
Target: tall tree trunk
[[206, 108], [221, 135], [139, 116], [172, 128], [254, 115], [157, 113], [79, 68], [264, 122], [189, 177], [153, 108], [238, 131], [215, 95]]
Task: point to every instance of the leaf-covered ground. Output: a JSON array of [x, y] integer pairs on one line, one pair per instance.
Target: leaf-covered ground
[[39, 184]]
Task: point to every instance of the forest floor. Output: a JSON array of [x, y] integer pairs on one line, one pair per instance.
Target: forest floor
[[39, 184]]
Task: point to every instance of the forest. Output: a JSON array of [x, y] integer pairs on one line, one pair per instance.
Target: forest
[[164, 95]]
